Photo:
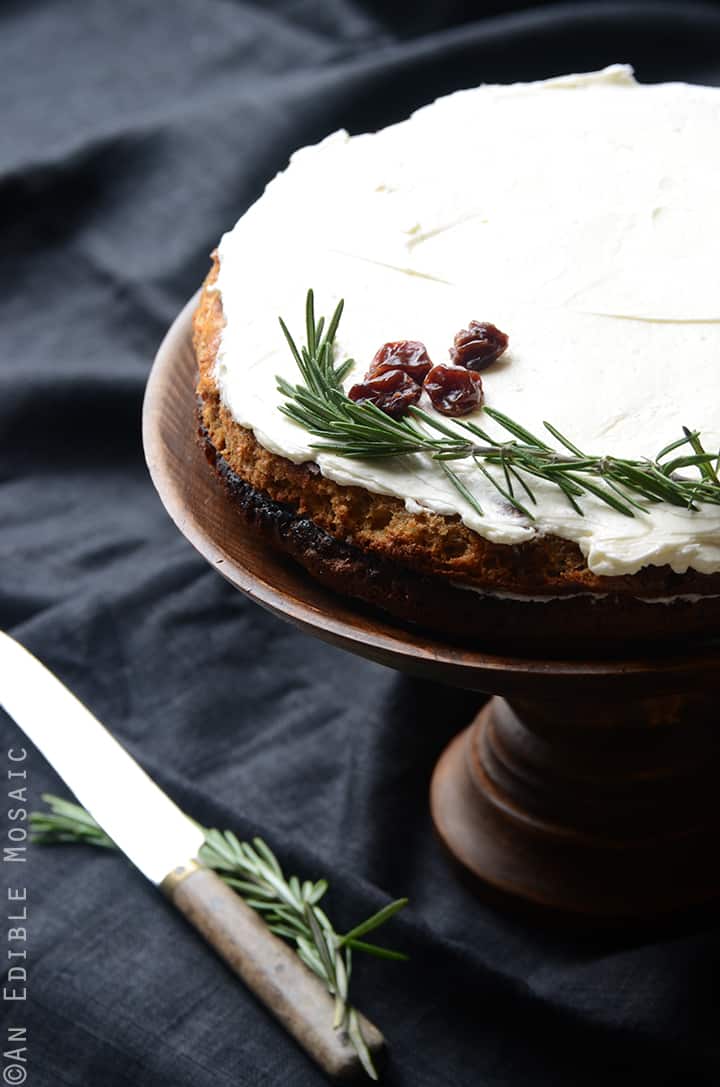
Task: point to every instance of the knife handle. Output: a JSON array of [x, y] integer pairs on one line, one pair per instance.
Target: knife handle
[[271, 970]]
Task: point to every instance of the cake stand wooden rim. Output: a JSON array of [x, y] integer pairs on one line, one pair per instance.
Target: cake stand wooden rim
[[189, 492]]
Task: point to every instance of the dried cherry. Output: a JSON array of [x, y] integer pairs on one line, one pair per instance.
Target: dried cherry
[[453, 390], [408, 355], [478, 345], [393, 391]]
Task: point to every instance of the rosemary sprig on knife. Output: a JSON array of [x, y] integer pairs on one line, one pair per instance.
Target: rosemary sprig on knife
[[288, 906], [516, 455]]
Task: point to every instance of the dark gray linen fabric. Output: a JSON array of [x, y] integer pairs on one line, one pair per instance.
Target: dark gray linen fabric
[[132, 135]]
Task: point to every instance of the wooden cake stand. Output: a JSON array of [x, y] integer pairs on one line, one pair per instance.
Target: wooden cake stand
[[588, 786]]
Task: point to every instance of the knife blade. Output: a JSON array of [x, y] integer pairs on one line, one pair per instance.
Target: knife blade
[[142, 821], [163, 843]]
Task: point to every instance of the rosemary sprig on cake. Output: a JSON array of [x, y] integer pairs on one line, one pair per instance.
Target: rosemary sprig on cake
[[516, 455], [288, 906]]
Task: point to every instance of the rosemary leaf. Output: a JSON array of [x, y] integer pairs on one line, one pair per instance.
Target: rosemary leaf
[[356, 1037], [376, 920], [461, 488], [321, 946], [377, 951], [507, 494], [516, 429]]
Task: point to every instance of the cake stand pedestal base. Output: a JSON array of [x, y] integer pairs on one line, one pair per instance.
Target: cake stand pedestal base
[[597, 807]]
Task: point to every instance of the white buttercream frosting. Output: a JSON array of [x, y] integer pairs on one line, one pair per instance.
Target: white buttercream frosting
[[580, 215], [549, 598]]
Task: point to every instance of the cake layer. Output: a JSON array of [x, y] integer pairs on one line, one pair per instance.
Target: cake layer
[[580, 215], [568, 625]]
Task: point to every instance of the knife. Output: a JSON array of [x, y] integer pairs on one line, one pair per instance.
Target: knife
[[163, 843]]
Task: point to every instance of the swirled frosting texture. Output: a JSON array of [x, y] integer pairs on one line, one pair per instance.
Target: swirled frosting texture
[[581, 215]]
